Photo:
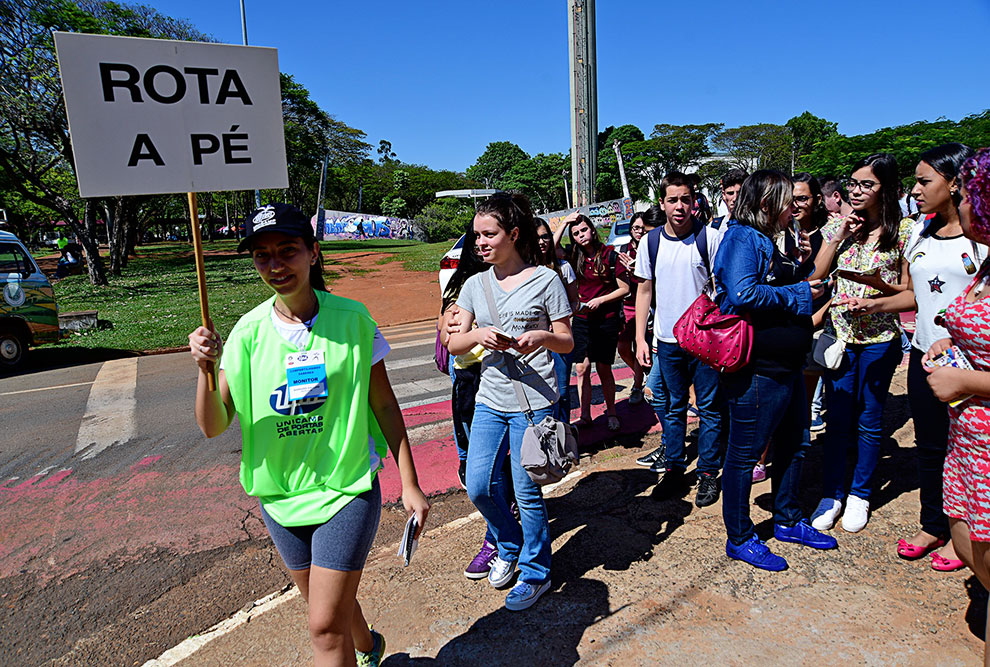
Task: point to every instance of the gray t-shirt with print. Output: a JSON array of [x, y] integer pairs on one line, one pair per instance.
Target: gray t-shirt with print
[[532, 305]]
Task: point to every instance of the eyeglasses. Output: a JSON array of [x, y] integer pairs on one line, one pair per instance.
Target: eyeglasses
[[864, 186], [544, 237], [802, 199], [637, 228]]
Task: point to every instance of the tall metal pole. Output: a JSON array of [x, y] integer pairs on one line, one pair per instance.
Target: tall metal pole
[[584, 99], [257, 193], [320, 216], [567, 191], [622, 168]]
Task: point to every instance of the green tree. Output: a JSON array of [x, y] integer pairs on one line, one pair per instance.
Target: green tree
[[540, 179], [492, 165], [445, 219], [806, 131], [312, 135], [669, 148], [710, 172], [761, 146], [608, 183], [836, 155], [385, 152]]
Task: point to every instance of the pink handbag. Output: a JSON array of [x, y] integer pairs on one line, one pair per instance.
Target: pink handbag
[[722, 341]]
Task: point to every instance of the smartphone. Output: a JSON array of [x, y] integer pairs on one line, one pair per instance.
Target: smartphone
[[829, 279], [503, 337], [796, 227]]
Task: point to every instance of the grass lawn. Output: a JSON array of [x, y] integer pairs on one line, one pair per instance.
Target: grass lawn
[[154, 305]]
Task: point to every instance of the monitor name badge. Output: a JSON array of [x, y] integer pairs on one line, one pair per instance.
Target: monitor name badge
[[305, 375]]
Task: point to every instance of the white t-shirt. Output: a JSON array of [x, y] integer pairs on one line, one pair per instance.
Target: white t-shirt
[[941, 268], [679, 277]]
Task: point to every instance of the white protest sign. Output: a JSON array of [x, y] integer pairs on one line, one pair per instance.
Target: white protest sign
[[155, 116]]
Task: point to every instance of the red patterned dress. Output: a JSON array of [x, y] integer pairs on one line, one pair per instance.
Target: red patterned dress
[[966, 481]]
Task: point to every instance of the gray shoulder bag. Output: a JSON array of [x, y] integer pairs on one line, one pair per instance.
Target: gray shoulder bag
[[549, 448]]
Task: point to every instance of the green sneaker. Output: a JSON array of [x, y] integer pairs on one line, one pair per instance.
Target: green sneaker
[[373, 657]]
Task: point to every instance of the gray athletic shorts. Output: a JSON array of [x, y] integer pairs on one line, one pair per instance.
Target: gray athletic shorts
[[342, 543]]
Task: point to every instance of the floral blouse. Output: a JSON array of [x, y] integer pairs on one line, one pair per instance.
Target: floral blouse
[[875, 327]]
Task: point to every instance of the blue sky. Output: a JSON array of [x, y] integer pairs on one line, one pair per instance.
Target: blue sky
[[441, 79]]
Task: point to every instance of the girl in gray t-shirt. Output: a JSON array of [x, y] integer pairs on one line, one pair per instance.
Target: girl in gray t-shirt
[[534, 313]]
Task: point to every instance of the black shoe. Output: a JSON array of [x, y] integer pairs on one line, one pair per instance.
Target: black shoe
[[660, 465], [461, 474], [708, 490], [671, 485], [651, 458]]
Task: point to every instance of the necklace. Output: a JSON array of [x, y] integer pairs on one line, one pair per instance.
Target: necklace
[[308, 322]]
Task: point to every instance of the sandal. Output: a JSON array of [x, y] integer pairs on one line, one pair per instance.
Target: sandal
[[613, 423], [942, 564], [909, 551]]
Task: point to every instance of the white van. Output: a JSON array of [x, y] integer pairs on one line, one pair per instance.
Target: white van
[[28, 313]]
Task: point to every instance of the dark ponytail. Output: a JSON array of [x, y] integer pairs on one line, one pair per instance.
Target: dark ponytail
[[316, 280]]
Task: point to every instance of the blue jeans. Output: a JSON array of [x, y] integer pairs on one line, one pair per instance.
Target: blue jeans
[[530, 545], [856, 394], [658, 391], [562, 369], [680, 370], [462, 412], [818, 402], [761, 408]]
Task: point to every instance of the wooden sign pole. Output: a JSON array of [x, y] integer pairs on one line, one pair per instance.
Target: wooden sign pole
[[204, 306]]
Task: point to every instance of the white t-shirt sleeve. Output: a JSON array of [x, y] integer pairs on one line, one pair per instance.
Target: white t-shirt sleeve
[[567, 272], [644, 270], [380, 347]]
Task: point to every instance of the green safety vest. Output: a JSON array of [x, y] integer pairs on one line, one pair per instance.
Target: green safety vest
[[305, 459]]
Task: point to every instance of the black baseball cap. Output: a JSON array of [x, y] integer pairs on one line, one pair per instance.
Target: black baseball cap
[[282, 218]]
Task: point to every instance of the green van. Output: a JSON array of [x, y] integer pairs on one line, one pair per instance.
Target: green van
[[28, 313]]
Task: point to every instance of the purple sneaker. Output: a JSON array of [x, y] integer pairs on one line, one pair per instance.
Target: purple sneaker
[[759, 473], [482, 563]]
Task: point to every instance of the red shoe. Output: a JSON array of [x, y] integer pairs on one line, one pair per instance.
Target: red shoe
[[909, 551], [943, 564]]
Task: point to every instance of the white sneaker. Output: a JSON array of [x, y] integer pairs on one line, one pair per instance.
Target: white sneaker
[[501, 573], [824, 516], [856, 515]]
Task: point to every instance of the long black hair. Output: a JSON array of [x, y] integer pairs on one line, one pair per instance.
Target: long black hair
[[548, 258], [577, 256], [948, 160], [884, 168], [819, 214], [512, 210], [468, 265]]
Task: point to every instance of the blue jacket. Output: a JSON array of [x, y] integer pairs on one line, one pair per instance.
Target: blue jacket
[[742, 267]]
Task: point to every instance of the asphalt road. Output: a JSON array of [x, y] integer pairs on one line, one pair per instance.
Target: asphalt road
[[124, 529]]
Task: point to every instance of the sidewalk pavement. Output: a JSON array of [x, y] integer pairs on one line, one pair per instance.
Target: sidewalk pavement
[[639, 580]]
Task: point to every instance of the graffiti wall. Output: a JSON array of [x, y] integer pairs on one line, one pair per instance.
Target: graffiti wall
[[607, 213], [344, 225]]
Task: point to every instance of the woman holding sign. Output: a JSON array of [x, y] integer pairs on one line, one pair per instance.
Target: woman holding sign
[[304, 374]]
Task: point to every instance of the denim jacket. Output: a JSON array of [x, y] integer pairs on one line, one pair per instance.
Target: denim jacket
[[742, 267]]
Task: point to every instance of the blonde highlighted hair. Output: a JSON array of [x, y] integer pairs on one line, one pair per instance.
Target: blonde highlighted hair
[[764, 189]]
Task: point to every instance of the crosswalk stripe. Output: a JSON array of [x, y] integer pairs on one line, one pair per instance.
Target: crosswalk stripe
[[110, 410], [413, 343], [422, 324], [419, 387], [407, 363]]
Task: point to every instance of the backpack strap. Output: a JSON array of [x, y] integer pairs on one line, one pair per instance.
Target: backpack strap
[[701, 240], [653, 247]]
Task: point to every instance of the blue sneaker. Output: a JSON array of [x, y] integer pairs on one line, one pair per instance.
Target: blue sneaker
[[523, 595], [755, 552], [803, 533], [817, 424]]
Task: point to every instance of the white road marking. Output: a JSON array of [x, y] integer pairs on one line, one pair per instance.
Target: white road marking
[[414, 343], [428, 386], [58, 386], [110, 417], [402, 363]]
